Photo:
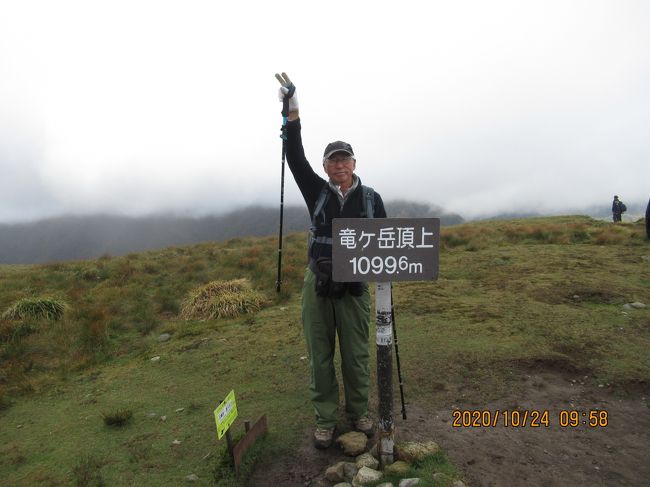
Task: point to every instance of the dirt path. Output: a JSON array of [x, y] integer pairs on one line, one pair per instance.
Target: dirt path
[[555, 456], [507, 456]]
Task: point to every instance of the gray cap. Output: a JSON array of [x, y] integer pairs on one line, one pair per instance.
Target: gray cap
[[338, 146]]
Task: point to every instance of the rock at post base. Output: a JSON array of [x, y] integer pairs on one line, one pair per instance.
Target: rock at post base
[[412, 451], [397, 468], [335, 472], [408, 482], [374, 451], [350, 470], [365, 476], [353, 443], [367, 460]]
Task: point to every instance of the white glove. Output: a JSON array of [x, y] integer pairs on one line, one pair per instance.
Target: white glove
[[284, 90]]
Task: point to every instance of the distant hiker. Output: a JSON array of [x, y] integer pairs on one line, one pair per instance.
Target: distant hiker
[[647, 220], [332, 308], [618, 208]]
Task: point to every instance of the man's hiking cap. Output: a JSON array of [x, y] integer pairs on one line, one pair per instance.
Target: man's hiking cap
[[337, 146]]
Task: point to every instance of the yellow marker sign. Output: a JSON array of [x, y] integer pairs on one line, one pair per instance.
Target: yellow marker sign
[[225, 414]]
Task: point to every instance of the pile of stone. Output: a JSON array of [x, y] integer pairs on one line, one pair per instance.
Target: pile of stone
[[365, 468]]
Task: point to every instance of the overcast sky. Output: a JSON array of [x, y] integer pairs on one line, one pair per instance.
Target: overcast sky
[[141, 106]]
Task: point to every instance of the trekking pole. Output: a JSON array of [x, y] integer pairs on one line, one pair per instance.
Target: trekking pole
[[286, 82], [399, 369]]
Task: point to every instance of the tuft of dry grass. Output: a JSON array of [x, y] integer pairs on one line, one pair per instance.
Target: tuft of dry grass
[[222, 299], [47, 308]]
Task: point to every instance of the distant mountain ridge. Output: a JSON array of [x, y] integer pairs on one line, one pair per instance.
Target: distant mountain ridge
[[83, 237]]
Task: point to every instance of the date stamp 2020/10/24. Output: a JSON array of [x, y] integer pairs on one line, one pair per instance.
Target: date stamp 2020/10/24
[[529, 418]]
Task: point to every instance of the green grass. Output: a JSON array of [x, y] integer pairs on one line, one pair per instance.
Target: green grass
[[424, 470], [511, 294], [87, 472]]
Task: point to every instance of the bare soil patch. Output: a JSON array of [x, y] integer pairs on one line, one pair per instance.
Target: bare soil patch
[[506, 456]]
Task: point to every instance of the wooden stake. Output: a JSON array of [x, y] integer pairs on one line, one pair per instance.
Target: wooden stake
[[258, 429], [231, 446]]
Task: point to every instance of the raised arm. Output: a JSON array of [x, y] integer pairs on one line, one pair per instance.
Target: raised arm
[[309, 183], [287, 91]]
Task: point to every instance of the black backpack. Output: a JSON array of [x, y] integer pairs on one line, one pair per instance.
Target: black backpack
[[319, 210], [623, 207]]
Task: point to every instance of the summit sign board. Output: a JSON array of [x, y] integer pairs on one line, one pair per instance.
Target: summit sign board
[[385, 249]]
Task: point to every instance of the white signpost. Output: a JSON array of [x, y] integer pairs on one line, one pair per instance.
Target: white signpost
[[384, 250]]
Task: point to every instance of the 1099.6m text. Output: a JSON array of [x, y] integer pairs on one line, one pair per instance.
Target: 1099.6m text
[[389, 265]]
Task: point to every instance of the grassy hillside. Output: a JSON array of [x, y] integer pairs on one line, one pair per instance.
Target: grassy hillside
[[510, 293]]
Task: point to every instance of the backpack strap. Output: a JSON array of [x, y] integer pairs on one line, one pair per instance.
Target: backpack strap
[[368, 201], [319, 209]]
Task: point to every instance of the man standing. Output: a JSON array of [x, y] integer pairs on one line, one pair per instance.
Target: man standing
[[332, 308], [617, 209]]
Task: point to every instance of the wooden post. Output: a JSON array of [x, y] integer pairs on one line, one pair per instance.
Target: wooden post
[[258, 429], [231, 446], [386, 441]]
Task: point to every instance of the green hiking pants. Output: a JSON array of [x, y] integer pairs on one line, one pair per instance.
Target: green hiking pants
[[323, 319]]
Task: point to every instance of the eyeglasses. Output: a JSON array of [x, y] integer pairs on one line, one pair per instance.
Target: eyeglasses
[[342, 159]]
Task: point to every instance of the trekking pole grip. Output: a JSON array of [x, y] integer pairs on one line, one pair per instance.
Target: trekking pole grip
[[285, 101]]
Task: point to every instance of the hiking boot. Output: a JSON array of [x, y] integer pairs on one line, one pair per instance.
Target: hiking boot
[[365, 425], [323, 437]]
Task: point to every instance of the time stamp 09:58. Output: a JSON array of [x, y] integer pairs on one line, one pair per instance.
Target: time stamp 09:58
[[525, 418]]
